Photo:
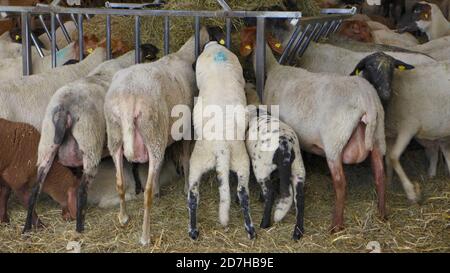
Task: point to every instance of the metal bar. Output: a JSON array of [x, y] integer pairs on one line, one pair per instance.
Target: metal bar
[[53, 39], [224, 4], [166, 35], [26, 44], [108, 37], [63, 29], [74, 19], [228, 29], [137, 39], [42, 9], [330, 27], [308, 40], [80, 35], [298, 44], [36, 45], [337, 26], [319, 33], [41, 19], [260, 56], [291, 41], [197, 37]]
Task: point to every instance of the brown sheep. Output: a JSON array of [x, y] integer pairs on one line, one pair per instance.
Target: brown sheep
[[356, 30], [18, 156]]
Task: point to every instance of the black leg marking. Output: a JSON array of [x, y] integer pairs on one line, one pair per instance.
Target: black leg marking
[[137, 180], [33, 199], [192, 205], [299, 229], [81, 203], [243, 197], [268, 204]]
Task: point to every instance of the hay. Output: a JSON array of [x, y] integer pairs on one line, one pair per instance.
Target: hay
[[411, 228], [181, 28]]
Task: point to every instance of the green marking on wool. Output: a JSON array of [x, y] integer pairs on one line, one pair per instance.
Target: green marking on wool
[[220, 57]]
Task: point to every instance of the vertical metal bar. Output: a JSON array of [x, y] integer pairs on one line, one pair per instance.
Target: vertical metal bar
[[53, 39], [63, 29], [108, 37], [26, 44], [74, 19], [137, 39], [197, 36], [260, 56], [80, 36], [166, 35], [286, 50], [228, 26]]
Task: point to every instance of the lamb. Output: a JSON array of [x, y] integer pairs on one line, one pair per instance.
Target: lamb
[[74, 126], [284, 156], [221, 83], [417, 108], [25, 99], [338, 117], [428, 18], [138, 109], [19, 144]]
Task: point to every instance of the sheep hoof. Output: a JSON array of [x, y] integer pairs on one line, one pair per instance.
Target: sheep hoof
[[337, 228], [298, 233], [145, 241], [264, 224], [194, 234], [251, 233], [123, 219]]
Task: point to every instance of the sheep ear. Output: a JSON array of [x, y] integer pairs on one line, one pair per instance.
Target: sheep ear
[[360, 67], [403, 66]]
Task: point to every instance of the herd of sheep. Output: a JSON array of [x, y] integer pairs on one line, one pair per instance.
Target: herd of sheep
[[366, 92]]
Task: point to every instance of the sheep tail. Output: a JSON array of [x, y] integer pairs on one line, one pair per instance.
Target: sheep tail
[[128, 134], [61, 121], [283, 158]]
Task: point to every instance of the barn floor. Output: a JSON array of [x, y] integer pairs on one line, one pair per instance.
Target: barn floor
[[411, 228]]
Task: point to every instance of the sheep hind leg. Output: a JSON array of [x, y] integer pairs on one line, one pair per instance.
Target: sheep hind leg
[[185, 161], [268, 190], [378, 172], [42, 172], [5, 191], [299, 201], [394, 156], [120, 186], [154, 166], [86, 181], [339, 184], [446, 151]]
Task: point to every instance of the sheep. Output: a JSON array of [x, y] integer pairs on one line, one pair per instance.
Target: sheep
[[18, 145], [221, 84], [60, 39], [428, 18], [74, 126], [416, 108], [338, 117], [25, 99], [11, 68], [439, 48], [103, 194], [284, 156], [138, 109]]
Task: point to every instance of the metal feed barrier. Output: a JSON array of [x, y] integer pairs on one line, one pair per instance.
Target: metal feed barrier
[[306, 29]]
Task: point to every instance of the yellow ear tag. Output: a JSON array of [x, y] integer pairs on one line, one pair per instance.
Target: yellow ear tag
[[426, 15], [357, 72], [401, 68], [17, 37], [222, 41], [90, 50], [277, 45], [248, 47]]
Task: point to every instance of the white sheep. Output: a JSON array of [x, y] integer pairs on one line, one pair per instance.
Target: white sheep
[[439, 48], [138, 109], [25, 99], [74, 126], [221, 83], [284, 156], [339, 117]]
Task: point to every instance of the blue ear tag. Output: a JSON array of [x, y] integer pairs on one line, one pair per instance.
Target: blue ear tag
[[220, 57], [61, 57]]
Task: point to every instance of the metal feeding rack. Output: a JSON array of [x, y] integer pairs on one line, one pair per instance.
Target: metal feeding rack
[[307, 29]]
